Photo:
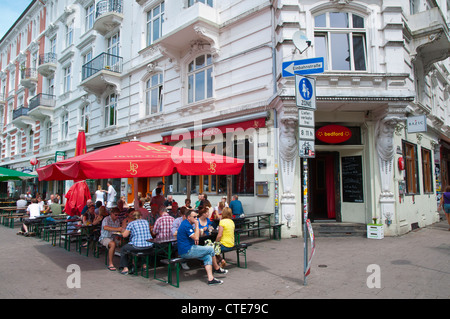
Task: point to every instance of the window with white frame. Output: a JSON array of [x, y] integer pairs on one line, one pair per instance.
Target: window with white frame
[[200, 83], [155, 20], [19, 141], [113, 59], [48, 132], [340, 38], [67, 78], [30, 143], [89, 17], [208, 2], [51, 86], [12, 80], [85, 118], [153, 94], [53, 45], [64, 126], [111, 110], [69, 34]]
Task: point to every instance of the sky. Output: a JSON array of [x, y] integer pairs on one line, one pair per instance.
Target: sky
[[10, 10]]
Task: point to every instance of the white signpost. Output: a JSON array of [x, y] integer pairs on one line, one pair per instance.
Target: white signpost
[[305, 96]]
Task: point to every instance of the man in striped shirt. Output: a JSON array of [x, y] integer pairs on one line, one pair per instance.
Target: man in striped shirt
[[163, 225]]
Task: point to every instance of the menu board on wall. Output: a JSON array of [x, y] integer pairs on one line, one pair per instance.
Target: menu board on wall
[[352, 180]]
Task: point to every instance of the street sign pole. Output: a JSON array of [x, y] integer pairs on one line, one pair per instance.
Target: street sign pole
[[305, 216]]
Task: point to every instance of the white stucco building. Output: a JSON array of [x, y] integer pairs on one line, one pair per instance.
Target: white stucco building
[[153, 69]]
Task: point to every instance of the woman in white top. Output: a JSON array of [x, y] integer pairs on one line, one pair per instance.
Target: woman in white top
[[100, 195]]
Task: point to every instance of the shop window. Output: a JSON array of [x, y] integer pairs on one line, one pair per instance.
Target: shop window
[[411, 168], [427, 171]]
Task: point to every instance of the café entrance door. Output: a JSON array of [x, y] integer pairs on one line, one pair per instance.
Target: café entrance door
[[324, 196]]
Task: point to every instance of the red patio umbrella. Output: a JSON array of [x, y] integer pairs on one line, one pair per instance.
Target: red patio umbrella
[[77, 196], [139, 159], [80, 147]]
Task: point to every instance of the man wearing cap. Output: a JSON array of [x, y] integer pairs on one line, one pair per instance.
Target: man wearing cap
[[159, 185]]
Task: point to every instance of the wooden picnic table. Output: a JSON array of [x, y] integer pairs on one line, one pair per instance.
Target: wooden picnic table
[[253, 222]]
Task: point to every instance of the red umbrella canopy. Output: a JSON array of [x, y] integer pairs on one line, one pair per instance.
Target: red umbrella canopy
[[77, 196], [140, 159], [80, 147]]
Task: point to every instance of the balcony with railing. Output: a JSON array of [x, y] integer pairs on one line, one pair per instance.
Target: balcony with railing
[[47, 64], [28, 77], [430, 34], [100, 72], [42, 106], [21, 119], [108, 15]]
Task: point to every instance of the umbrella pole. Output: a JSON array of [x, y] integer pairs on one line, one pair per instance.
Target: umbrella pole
[[135, 190]]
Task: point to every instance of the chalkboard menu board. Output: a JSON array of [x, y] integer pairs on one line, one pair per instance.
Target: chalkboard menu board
[[352, 180]]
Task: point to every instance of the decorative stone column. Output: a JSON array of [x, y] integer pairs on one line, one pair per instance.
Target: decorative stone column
[[288, 151], [384, 143]]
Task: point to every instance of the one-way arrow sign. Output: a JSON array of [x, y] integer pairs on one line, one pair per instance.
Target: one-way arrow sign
[[302, 67]]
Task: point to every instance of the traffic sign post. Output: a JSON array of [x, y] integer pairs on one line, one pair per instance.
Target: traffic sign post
[[305, 96]]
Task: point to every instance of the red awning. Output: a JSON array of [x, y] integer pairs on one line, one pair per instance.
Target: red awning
[[229, 128]]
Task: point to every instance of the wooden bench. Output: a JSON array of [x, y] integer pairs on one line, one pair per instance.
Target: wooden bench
[[276, 231], [241, 250], [145, 253]]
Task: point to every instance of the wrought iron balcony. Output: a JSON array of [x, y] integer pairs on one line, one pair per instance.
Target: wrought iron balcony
[[102, 71], [21, 111], [108, 15], [47, 64], [42, 106], [28, 77], [21, 119]]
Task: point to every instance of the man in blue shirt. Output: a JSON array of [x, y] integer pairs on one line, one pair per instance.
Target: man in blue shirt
[[236, 207], [187, 242]]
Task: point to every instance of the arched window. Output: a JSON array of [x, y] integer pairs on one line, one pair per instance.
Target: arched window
[[200, 84], [340, 37], [153, 94]]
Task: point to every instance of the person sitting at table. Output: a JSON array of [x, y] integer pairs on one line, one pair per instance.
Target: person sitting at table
[[41, 203], [236, 207], [168, 202], [110, 225], [187, 203], [21, 204], [98, 204], [50, 200], [203, 221], [129, 218], [54, 208], [89, 216], [144, 212], [176, 224], [226, 234], [163, 225], [89, 203], [157, 200], [217, 214], [33, 211], [139, 231], [187, 243]]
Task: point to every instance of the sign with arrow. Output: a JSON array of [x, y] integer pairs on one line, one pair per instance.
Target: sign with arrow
[[303, 67]]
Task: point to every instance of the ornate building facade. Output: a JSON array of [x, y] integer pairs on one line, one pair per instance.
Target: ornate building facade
[[208, 74]]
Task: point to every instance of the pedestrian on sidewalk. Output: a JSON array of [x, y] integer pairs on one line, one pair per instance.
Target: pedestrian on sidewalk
[[445, 204]]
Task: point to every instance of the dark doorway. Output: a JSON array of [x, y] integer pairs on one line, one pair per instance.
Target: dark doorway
[[323, 183]]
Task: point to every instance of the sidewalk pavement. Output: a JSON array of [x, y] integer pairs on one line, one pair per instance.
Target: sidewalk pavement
[[415, 265]]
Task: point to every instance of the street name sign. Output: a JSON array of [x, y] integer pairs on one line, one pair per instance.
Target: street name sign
[[303, 67]]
